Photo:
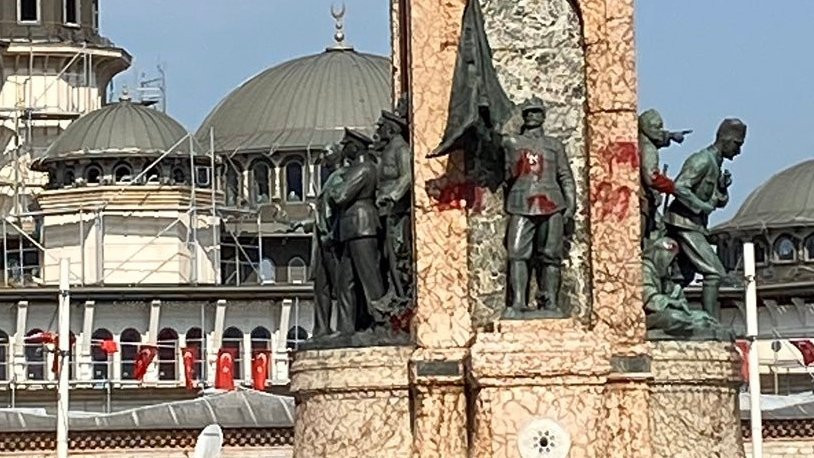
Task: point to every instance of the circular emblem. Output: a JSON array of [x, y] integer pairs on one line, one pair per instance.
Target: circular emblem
[[544, 438]]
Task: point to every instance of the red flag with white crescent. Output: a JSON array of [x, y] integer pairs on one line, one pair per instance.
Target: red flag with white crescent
[[743, 349], [225, 375], [260, 368], [189, 355], [806, 347], [146, 354]]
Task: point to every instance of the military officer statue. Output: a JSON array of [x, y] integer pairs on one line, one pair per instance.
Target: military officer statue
[[700, 188], [360, 283], [652, 137], [541, 199]]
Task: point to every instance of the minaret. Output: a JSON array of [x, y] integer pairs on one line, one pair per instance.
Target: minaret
[[54, 67]]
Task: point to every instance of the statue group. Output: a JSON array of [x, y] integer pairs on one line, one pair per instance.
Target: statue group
[[676, 245], [362, 238]]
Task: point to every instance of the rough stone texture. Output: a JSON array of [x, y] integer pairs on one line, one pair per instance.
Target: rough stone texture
[[537, 51], [352, 402], [694, 400]]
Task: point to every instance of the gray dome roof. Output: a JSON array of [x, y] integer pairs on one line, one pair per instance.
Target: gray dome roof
[[785, 200], [119, 129], [303, 102]]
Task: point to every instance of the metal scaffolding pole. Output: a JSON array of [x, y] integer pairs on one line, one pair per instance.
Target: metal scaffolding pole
[[193, 217], [64, 359]]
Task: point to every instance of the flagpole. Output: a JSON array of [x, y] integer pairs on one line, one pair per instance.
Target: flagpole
[[754, 364], [64, 349]]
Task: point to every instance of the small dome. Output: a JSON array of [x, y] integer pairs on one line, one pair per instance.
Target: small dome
[[785, 200], [302, 103], [116, 130]]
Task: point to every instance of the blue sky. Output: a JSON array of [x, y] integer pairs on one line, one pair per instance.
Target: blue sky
[[698, 62]]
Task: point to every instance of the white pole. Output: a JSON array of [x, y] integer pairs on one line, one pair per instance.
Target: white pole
[[64, 348], [754, 364]]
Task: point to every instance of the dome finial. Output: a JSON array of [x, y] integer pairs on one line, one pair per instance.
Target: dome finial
[[125, 97], [339, 35]]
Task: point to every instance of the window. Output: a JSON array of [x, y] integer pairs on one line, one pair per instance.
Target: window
[[261, 338], [179, 176], [68, 178], [294, 336], [261, 183], [28, 11], [233, 338], [130, 341], [202, 176], [71, 12], [4, 346], [195, 340], [95, 14], [123, 173], [232, 185], [34, 358], [268, 271], [293, 181], [167, 354], [808, 247], [785, 249], [297, 270], [93, 174], [761, 251], [100, 357]]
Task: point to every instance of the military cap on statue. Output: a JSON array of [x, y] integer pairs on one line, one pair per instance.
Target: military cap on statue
[[394, 118], [355, 136], [533, 104]]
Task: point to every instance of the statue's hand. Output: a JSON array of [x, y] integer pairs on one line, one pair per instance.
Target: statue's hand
[[677, 137], [384, 201], [726, 180]]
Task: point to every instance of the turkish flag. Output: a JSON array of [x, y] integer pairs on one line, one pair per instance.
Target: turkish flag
[[42, 338], [225, 375], [806, 347], [743, 349], [260, 368], [146, 354], [189, 355], [109, 346]]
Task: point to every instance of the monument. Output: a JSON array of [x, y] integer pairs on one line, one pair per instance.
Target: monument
[[521, 122]]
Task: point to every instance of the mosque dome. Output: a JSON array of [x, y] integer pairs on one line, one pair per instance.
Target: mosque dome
[[785, 200], [303, 103], [116, 130]]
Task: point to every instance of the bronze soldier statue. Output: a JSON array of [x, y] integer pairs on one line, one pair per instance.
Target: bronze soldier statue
[[393, 196], [359, 277], [541, 199], [652, 137], [700, 188]]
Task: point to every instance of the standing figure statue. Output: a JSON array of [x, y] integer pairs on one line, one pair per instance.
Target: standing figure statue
[[393, 198], [652, 137], [541, 200], [360, 284], [668, 313], [700, 188], [325, 254]]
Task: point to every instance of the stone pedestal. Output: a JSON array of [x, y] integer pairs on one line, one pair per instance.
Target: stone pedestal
[[352, 402], [694, 400], [528, 386]]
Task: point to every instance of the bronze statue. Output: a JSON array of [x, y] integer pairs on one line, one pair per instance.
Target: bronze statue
[[360, 284], [700, 188], [541, 200], [652, 137], [668, 315]]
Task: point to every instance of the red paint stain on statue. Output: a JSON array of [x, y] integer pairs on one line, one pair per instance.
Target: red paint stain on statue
[[611, 202], [620, 153], [528, 163], [542, 204]]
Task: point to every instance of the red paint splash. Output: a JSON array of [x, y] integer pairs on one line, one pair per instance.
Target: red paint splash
[[528, 164], [620, 153], [542, 203], [663, 184], [611, 202]]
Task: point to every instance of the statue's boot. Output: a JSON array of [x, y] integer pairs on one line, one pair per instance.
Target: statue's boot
[[709, 300], [548, 282]]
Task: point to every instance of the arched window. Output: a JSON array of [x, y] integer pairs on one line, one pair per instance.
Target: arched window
[[809, 248], [93, 174], [232, 189], [785, 249], [233, 338], [152, 176], [130, 340], [262, 188], [297, 270], [295, 336], [69, 177], [34, 357], [761, 251], [167, 354], [123, 173], [293, 181], [261, 338], [100, 358], [4, 347], [195, 340], [268, 271], [179, 176]]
